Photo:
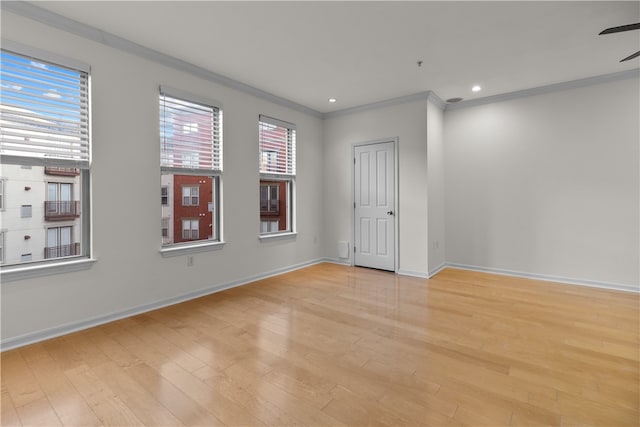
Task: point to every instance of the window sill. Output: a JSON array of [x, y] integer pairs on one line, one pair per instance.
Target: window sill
[[278, 236], [11, 274], [171, 251]]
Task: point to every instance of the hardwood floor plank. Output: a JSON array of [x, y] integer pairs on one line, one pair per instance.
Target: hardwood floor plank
[[8, 414], [102, 400], [38, 413], [69, 405], [332, 345], [143, 405], [19, 380]]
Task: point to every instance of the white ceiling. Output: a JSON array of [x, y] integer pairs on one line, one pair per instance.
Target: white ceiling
[[364, 52]]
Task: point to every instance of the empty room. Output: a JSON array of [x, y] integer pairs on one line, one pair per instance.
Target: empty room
[[319, 213]]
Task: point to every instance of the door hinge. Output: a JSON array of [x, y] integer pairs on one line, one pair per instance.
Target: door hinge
[[354, 205], [354, 249], [354, 160]]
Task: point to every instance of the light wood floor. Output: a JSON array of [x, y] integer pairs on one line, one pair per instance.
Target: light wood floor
[[331, 345]]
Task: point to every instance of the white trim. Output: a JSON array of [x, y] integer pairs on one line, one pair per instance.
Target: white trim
[[573, 84], [413, 274], [276, 122], [437, 270], [278, 236], [44, 55], [63, 23], [436, 100], [189, 97], [547, 278], [12, 274], [30, 338], [380, 104], [338, 262], [191, 248]]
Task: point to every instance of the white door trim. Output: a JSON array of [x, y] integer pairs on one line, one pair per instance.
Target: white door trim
[[396, 245]]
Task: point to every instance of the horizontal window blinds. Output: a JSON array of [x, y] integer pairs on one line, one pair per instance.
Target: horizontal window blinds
[[44, 111], [277, 141], [190, 135]]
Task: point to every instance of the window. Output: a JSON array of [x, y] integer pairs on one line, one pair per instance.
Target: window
[[60, 243], [269, 226], [44, 134], [60, 204], [25, 211], [277, 166], [190, 196], [164, 195], [190, 229], [165, 227], [269, 198], [191, 167], [1, 247]]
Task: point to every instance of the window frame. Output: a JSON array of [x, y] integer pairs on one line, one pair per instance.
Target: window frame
[[85, 260], [193, 195], [190, 168], [286, 176], [2, 194]]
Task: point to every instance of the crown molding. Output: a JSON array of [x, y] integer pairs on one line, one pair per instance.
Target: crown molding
[[63, 23], [60, 22], [379, 104], [573, 84]]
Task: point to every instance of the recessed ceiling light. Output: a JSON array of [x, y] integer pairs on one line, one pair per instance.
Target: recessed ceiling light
[[332, 100], [476, 88]]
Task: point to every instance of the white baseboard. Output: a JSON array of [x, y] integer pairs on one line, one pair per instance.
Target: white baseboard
[[22, 340], [437, 270], [548, 278], [413, 274], [338, 261]]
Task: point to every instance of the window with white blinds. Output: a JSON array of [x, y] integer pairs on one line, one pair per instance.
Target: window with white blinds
[[45, 111], [277, 140], [190, 169], [45, 155], [190, 133]]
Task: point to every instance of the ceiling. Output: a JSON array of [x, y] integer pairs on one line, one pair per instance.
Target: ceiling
[[364, 52]]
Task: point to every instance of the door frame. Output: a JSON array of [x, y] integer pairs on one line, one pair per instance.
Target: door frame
[[396, 188]]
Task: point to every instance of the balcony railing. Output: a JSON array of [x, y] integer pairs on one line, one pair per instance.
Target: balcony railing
[[50, 170], [62, 251], [57, 211]]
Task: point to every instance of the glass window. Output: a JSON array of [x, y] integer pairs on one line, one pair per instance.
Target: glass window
[[44, 140], [191, 167], [277, 166]]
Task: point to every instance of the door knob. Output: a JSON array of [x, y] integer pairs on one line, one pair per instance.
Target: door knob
[[390, 213]]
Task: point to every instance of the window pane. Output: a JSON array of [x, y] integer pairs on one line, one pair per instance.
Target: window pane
[[190, 134], [195, 215], [275, 206], [45, 117], [45, 110]]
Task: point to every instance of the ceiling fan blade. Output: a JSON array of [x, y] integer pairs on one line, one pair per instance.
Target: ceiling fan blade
[[635, 55], [621, 28]]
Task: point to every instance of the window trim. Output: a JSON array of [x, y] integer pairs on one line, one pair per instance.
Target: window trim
[[289, 178], [202, 245], [85, 260], [3, 196]]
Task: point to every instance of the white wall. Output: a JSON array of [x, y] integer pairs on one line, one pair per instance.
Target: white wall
[[130, 271], [407, 122], [547, 184], [435, 187]]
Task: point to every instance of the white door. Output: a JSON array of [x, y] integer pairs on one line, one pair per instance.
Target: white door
[[374, 194]]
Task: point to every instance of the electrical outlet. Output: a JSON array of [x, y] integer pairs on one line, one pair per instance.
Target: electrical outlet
[[190, 261]]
